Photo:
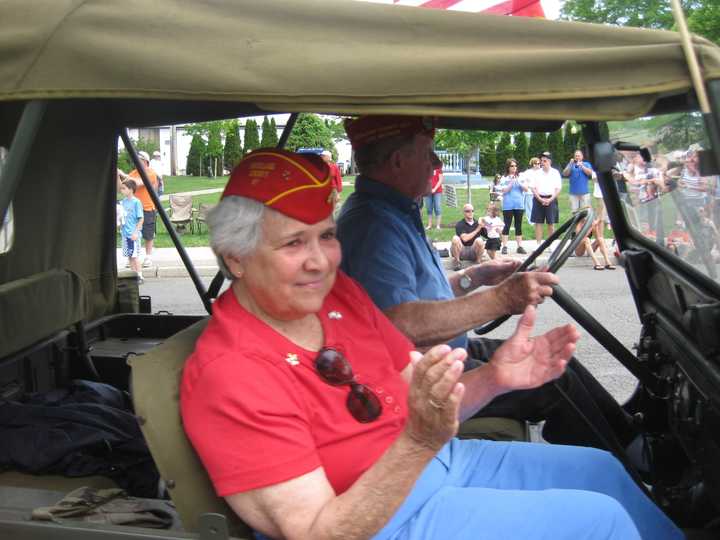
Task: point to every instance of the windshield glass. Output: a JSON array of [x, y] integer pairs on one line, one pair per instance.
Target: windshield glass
[[671, 199]]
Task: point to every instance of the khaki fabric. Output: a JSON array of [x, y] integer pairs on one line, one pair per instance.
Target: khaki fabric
[[156, 395], [64, 212], [339, 56], [38, 306]]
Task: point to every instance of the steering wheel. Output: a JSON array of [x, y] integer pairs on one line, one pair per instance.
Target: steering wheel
[[569, 241]]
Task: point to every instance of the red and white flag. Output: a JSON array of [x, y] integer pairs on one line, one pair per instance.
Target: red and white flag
[[516, 8]]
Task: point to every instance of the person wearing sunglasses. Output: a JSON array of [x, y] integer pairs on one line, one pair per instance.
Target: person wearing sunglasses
[[315, 418]]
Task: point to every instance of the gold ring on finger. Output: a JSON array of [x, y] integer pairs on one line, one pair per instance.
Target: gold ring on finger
[[435, 405]]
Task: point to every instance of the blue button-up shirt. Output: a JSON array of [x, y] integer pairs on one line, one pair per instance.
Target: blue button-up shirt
[[385, 249]]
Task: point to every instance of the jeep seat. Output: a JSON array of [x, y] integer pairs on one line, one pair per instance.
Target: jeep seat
[[156, 394]]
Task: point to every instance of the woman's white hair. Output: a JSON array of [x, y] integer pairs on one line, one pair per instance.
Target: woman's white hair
[[235, 226]]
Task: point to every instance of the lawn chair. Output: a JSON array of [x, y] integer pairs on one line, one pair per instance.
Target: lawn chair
[[181, 212], [201, 217]]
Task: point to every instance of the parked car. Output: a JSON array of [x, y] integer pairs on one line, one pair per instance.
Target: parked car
[[74, 75]]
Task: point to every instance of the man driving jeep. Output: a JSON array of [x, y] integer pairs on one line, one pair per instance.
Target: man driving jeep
[[385, 249]]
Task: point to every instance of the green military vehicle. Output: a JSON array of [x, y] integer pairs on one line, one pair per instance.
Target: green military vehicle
[[74, 75]]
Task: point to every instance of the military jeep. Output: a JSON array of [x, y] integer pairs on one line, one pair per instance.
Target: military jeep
[[74, 75]]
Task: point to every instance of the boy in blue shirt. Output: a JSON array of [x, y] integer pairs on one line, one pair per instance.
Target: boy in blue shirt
[[130, 230]]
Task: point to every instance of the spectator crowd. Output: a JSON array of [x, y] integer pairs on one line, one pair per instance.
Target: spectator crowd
[[688, 225]]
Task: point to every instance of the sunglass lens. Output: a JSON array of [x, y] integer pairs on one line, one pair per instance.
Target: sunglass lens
[[332, 366], [363, 404]]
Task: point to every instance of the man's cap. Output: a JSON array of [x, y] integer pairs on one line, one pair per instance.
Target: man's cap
[[296, 185], [144, 155], [545, 155], [326, 153], [366, 130], [156, 153]]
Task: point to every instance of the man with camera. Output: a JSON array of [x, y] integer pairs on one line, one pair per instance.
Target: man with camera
[[580, 172]]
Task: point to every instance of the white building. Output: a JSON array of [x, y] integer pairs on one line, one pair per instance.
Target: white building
[[177, 153]]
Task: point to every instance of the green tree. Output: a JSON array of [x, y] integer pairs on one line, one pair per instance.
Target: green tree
[[196, 156], [311, 132], [124, 162], [337, 129], [555, 146], [705, 20], [703, 16], [214, 151], [504, 151], [488, 161], [232, 152], [269, 134], [538, 143], [252, 137], [521, 151]]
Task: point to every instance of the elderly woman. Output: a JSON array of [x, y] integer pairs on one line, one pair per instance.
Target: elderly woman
[[315, 418]]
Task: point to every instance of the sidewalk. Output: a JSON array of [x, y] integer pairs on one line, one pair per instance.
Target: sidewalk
[[167, 262]]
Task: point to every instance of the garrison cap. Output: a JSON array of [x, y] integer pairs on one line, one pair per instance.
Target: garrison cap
[[366, 130], [296, 185]]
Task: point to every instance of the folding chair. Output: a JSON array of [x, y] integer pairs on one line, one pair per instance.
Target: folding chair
[[202, 212], [181, 212]]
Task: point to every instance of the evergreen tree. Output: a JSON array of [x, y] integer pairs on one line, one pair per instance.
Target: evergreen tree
[[521, 151], [311, 132], [196, 156], [269, 134], [556, 148], [273, 128], [252, 138], [538, 143], [568, 143], [488, 160], [233, 149], [504, 151], [214, 151]]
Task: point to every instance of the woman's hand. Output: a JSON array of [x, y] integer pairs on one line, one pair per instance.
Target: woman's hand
[[524, 362], [435, 395]]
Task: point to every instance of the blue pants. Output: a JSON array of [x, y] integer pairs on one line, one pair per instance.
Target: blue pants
[[433, 203], [477, 490]]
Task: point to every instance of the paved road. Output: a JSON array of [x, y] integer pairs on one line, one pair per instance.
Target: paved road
[[605, 294]]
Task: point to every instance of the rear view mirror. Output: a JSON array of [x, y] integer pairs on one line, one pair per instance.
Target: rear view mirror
[[708, 163]]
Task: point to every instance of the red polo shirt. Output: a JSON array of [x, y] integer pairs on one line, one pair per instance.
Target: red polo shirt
[[258, 414]]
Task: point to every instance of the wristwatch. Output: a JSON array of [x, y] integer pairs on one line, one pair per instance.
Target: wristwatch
[[465, 281]]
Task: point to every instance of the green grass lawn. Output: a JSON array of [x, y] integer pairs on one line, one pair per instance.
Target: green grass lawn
[[450, 216], [181, 184]]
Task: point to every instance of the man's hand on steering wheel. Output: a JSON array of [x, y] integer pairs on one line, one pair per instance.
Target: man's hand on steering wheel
[[524, 289], [492, 272]]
